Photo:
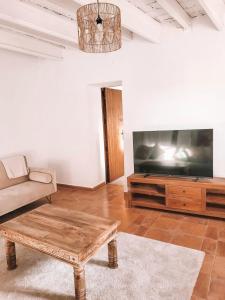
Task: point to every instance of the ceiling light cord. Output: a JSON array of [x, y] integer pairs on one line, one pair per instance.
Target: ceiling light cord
[[98, 7], [99, 19]]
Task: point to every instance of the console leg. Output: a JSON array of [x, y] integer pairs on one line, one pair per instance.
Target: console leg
[[112, 253], [10, 255], [79, 280]]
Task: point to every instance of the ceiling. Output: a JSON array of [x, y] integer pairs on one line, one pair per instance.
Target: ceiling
[[153, 9], [54, 21], [156, 11], [192, 8], [64, 8]]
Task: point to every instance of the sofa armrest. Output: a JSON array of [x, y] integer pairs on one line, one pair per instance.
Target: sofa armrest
[[46, 171]]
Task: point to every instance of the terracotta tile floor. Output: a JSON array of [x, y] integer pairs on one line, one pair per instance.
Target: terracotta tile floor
[[200, 233]]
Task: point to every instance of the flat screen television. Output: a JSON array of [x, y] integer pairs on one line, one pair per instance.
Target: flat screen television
[[174, 152]]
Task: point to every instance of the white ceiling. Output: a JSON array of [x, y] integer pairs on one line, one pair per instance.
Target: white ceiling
[[153, 9], [54, 21], [64, 8], [68, 5]]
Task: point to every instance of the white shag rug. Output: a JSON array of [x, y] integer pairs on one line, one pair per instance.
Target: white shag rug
[[148, 270]]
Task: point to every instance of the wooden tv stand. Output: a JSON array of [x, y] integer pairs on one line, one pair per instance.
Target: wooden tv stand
[[202, 196]]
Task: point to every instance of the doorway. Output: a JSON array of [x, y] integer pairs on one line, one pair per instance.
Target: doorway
[[112, 110]]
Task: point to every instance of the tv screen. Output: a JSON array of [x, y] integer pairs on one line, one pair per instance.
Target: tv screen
[[174, 152]]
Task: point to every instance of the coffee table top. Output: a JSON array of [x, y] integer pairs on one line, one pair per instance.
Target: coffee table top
[[70, 235]]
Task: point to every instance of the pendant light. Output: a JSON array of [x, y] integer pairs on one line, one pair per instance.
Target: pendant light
[[99, 27]]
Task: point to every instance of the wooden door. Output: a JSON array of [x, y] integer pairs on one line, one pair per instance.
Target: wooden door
[[113, 132]]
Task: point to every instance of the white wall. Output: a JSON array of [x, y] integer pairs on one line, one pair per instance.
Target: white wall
[[182, 86], [51, 112]]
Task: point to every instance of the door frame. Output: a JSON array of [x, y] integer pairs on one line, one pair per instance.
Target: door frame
[[105, 136], [95, 100]]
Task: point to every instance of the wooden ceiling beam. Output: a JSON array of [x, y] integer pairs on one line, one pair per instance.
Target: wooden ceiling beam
[[19, 42], [215, 9], [60, 11], [173, 8], [19, 16]]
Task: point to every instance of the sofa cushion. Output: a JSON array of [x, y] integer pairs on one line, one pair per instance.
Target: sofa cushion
[[40, 177], [21, 194], [6, 182], [15, 166]]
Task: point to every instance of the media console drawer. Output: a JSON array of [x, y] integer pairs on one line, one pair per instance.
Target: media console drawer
[[180, 202], [184, 191], [184, 197]]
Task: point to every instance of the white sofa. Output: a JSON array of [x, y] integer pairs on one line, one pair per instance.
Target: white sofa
[[15, 193]]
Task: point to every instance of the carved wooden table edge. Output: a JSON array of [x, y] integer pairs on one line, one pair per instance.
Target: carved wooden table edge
[[79, 267]]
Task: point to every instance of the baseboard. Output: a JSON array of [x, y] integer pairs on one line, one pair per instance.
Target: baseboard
[[84, 188], [98, 186]]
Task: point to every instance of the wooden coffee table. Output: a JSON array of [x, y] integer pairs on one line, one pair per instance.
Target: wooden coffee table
[[68, 235]]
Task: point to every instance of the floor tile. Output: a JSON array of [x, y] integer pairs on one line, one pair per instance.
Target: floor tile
[[189, 241], [220, 248], [215, 297], [195, 219], [202, 286], [141, 230], [207, 265], [212, 232], [138, 220], [165, 223], [148, 221], [217, 289], [146, 212], [193, 228], [222, 234], [172, 216], [209, 246], [219, 267], [158, 234], [130, 229], [219, 223]]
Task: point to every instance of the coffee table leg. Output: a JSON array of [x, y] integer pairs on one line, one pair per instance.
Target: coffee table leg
[[112, 253], [79, 280], [10, 255]]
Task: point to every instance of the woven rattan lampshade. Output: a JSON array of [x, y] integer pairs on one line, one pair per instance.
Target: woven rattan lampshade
[[99, 27]]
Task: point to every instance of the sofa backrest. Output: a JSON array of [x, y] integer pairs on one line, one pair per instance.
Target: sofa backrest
[[5, 181]]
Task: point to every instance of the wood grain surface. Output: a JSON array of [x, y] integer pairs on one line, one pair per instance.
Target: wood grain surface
[[70, 235], [113, 130], [203, 196]]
